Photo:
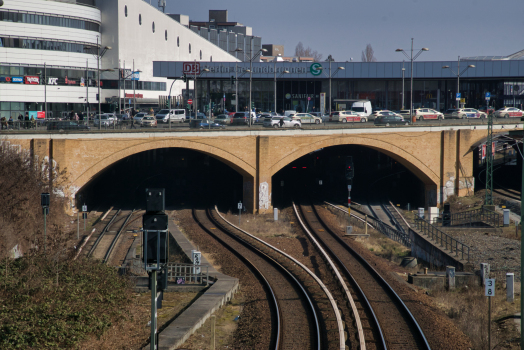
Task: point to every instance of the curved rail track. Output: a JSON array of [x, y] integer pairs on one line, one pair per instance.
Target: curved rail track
[[397, 324], [107, 241], [294, 317]]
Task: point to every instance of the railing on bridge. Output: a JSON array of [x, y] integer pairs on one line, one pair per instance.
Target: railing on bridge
[[476, 217], [444, 240], [188, 273]]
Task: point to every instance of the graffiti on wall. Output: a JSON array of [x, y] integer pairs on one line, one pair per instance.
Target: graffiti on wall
[[264, 197]]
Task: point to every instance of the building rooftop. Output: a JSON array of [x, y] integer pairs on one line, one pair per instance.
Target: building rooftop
[[519, 55]]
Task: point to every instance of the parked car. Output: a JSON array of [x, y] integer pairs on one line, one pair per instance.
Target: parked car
[[261, 117], [274, 122], [223, 119], [386, 113], [173, 115], [149, 121], [390, 119], [507, 112], [350, 116], [405, 113], [106, 119], [200, 115], [241, 118], [462, 113], [307, 118], [333, 117], [204, 124], [449, 112], [427, 113], [287, 113], [138, 117], [66, 125]]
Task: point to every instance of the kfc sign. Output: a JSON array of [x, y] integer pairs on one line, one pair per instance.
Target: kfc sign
[[191, 68], [52, 81], [33, 80]]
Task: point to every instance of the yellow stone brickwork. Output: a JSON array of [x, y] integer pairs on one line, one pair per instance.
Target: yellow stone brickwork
[[442, 160]]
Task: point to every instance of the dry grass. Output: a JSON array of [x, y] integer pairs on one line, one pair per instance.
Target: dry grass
[[468, 308], [263, 225]]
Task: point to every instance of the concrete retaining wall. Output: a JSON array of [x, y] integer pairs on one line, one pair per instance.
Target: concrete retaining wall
[[422, 248]]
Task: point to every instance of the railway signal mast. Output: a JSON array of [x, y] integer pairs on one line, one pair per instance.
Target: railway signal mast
[[349, 174], [154, 243]]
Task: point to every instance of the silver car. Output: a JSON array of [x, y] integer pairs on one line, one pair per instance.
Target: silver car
[[274, 122]]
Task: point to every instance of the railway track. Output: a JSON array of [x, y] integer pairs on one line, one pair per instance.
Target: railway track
[[306, 305], [108, 242], [384, 314]]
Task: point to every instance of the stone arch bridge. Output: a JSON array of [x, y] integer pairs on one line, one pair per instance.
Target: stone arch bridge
[[441, 157]]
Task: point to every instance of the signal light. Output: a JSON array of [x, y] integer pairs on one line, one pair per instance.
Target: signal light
[[304, 167], [294, 167]]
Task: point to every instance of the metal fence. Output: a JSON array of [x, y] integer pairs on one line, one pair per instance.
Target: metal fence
[[188, 274], [53, 125], [476, 217], [387, 230], [444, 240]]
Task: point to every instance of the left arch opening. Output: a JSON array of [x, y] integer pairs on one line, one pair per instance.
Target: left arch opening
[[190, 178]]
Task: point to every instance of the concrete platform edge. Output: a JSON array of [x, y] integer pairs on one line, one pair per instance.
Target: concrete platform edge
[[174, 335]]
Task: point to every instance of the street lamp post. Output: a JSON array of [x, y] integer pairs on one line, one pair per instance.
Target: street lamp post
[[275, 71], [99, 55], [458, 73], [205, 70], [251, 59], [403, 71], [331, 75], [412, 59]]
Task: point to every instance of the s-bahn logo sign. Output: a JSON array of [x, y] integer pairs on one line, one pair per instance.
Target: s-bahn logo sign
[[191, 68], [315, 69]]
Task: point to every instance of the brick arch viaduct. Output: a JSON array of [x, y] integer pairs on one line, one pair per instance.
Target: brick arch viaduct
[[442, 158]]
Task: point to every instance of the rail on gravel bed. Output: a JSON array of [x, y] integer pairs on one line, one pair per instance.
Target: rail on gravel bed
[[326, 291], [349, 297], [389, 291]]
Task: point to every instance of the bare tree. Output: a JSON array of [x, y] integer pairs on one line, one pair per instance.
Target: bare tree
[[300, 51], [368, 55]]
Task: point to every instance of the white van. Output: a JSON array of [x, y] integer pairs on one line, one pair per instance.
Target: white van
[[288, 113], [363, 108], [165, 115]]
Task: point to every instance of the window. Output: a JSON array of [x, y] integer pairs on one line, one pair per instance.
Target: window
[[140, 19], [189, 47], [153, 27], [166, 35], [125, 10], [200, 54], [178, 41]]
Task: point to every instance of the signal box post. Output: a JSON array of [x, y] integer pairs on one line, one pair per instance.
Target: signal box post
[[349, 174], [155, 252]]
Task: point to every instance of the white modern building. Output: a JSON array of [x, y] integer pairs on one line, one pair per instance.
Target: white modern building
[[49, 51]]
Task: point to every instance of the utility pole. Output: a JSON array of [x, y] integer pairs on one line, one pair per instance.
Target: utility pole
[[489, 162]]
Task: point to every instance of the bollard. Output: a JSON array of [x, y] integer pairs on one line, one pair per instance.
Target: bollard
[[425, 271], [275, 214], [510, 287], [450, 277], [409, 207], [484, 272], [505, 214]]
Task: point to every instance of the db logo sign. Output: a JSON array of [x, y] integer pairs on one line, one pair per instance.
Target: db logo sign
[[191, 68]]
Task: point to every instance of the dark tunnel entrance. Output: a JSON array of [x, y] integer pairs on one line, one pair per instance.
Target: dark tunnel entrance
[[190, 178], [377, 177]]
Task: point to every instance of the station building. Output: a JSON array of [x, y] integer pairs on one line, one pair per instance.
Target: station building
[[382, 83]]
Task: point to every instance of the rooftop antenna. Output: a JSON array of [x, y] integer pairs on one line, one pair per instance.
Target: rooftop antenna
[[162, 4]]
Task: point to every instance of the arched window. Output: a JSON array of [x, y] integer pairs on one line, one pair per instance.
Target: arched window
[[140, 19], [178, 41], [125, 10], [153, 27], [189, 47]]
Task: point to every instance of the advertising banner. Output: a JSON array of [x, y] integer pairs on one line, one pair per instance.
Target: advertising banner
[[18, 80], [32, 79], [40, 115]]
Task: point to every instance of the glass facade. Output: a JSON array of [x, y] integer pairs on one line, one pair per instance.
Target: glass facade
[[302, 94], [139, 85], [47, 19], [52, 45]]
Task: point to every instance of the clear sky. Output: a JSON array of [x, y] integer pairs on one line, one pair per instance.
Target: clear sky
[[343, 28]]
